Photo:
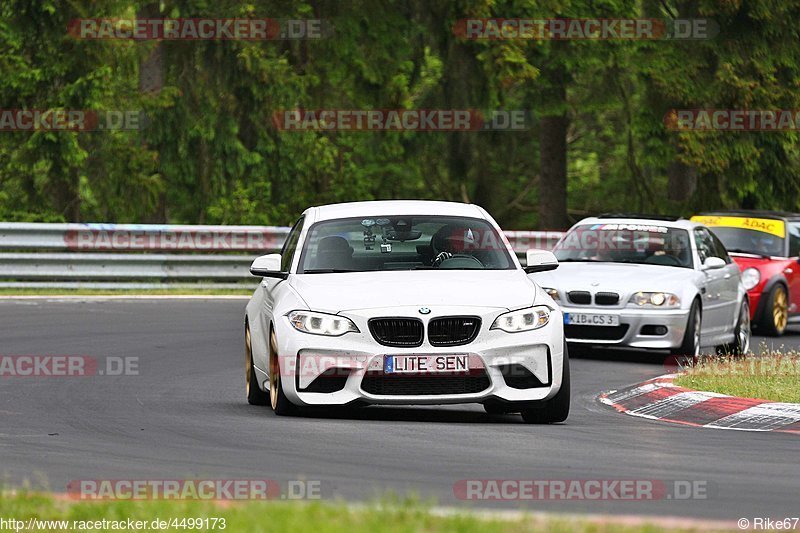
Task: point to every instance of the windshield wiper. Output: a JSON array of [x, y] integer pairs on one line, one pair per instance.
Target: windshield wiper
[[329, 271], [740, 251]]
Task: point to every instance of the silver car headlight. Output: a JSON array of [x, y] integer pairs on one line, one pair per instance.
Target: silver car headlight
[[655, 299], [553, 293], [523, 320], [321, 323], [750, 277]]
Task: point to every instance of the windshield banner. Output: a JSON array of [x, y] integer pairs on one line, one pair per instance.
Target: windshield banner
[[765, 225]]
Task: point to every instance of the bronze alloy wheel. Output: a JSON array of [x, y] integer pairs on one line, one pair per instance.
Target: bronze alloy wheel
[[274, 371], [780, 309], [248, 364], [255, 396], [277, 398]]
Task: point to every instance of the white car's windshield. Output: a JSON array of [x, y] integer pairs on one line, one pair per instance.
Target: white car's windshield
[[403, 243], [626, 243]]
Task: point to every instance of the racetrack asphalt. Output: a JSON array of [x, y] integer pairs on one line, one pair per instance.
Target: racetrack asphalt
[[184, 416]]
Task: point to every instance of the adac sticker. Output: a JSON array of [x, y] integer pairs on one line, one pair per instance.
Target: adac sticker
[[764, 225]]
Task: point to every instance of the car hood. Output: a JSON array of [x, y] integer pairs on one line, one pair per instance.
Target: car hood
[[747, 260], [505, 289], [624, 278]]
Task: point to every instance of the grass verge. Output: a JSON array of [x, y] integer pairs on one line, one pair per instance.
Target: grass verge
[[274, 516], [773, 377]]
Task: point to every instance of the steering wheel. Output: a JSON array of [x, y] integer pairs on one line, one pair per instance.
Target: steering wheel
[[667, 260], [450, 260]]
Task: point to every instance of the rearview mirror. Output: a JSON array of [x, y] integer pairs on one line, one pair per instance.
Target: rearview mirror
[[268, 266], [712, 263], [540, 261]]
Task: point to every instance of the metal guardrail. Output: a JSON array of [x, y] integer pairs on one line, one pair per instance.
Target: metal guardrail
[[97, 254], [140, 237], [124, 266]]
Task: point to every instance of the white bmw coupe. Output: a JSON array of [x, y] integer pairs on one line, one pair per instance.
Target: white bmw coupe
[[404, 302]]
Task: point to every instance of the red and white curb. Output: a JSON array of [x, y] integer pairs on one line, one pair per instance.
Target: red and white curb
[[661, 399]]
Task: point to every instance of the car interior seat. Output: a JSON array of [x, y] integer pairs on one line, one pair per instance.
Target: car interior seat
[[334, 252]]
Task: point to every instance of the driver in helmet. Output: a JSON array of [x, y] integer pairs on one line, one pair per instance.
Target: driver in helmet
[[451, 240]]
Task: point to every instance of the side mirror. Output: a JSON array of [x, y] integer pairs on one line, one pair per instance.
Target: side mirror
[[540, 261], [712, 263], [268, 266]]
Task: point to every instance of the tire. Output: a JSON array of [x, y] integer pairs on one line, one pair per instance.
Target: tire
[[277, 398], [691, 339], [255, 396], [775, 313], [741, 342], [556, 409]]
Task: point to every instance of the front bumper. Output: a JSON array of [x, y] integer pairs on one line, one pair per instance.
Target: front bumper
[[631, 323], [754, 295], [351, 357]]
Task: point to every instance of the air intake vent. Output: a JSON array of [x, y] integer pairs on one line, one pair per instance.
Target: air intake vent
[[381, 384], [397, 332], [519, 377], [606, 298], [332, 380], [453, 330], [580, 297]]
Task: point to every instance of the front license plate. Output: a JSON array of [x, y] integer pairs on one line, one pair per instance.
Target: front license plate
[[423, 364], [586, 319]]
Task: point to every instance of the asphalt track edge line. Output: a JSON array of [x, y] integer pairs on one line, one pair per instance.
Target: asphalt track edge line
[[706, 410]]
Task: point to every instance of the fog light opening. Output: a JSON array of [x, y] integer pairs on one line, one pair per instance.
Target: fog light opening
[[654, 330]]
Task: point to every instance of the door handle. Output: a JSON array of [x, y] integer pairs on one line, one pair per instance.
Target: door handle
[[726, 276]]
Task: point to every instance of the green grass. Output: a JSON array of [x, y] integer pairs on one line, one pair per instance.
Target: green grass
[[774, 377], [246, 291], [319, 517]]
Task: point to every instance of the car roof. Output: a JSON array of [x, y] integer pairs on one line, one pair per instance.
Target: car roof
[[668, 222], [668, 218], [761, 213], [380, 208]]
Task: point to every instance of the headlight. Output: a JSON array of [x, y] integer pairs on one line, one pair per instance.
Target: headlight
[[750, 277], [523, 320], [552, 292], [655, 299], [321, 323]]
